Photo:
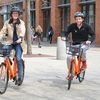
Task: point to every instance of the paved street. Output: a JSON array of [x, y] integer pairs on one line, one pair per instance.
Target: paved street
[[45, 78]]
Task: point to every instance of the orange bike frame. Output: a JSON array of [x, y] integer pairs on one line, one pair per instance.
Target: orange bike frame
[[77, 64], [12, 70]]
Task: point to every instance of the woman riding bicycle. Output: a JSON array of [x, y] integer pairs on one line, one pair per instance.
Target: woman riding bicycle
[[80, 33], [15, 28]]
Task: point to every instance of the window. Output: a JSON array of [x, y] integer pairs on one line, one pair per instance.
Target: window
[[46, 21], [46, 3], [64, 18], [89, 12], [32, 18], [91, 16], [64, 1], [32, 4]]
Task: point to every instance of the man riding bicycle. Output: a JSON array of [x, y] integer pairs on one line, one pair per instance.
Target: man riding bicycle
[[80, 33], [15, 28]]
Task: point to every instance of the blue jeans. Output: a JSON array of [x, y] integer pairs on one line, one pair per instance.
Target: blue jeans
[[18, 53], [39, 40]]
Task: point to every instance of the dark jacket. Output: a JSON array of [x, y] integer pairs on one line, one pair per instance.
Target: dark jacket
[[79, 35], [50, 31]]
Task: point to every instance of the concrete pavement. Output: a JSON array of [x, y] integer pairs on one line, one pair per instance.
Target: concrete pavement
[[45, 78]]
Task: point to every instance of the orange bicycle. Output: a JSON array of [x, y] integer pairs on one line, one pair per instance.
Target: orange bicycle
[[75, 66], [8, 69]]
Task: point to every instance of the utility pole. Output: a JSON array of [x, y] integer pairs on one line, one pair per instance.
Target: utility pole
[[29, 48]]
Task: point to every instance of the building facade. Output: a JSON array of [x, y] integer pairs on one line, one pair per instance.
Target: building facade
[[56, 13]]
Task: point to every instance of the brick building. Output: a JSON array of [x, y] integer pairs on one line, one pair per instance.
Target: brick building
[[57, 13]]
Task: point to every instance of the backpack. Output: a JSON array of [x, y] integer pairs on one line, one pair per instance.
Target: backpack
[[51, 32]]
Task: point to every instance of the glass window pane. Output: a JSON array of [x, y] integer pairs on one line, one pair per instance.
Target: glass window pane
[[64, 18], [46, 3], [32, 4], [84, 10], [19, 5], [91, 11], [64, 1], [91, 21], [67, 1], [4, 17]]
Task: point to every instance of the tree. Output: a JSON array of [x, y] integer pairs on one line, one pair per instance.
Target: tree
[[29, 48]]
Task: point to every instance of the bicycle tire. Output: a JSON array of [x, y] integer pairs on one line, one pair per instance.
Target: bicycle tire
[[23, 71], [81, 76], [4, 77], [71, 75]]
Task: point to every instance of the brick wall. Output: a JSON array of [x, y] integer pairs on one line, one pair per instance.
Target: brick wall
[[39, 13], [74, 7], [97, 23], [55, 18]]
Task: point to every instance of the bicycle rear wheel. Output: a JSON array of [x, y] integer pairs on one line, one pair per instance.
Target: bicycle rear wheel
[[81, 76], [23, 70], [4, 76], [71, 75]]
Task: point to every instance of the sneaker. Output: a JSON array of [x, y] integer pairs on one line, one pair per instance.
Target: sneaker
[[39, 46], [67, 77], [19, 81]]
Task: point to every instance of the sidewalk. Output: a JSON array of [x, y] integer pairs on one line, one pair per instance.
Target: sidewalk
[[45, 77]]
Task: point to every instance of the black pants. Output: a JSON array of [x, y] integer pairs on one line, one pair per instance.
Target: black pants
[[50, 38]]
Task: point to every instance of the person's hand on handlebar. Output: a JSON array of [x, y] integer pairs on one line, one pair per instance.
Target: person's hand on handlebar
[[63, 38], [19, 40], [88, 42]]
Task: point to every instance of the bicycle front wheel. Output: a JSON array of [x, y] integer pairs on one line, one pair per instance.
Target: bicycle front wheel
[[4, 76], [81, 76], [71, 75]]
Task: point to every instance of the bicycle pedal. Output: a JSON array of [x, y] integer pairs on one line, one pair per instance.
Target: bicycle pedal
[[77, 76], [14, 79]]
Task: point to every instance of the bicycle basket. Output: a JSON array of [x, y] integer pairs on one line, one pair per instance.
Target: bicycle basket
[[5, 52], [74, 50]]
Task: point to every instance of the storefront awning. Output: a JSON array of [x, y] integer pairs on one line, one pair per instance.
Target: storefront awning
[[64, 5], [87, 2], [43, 8]]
